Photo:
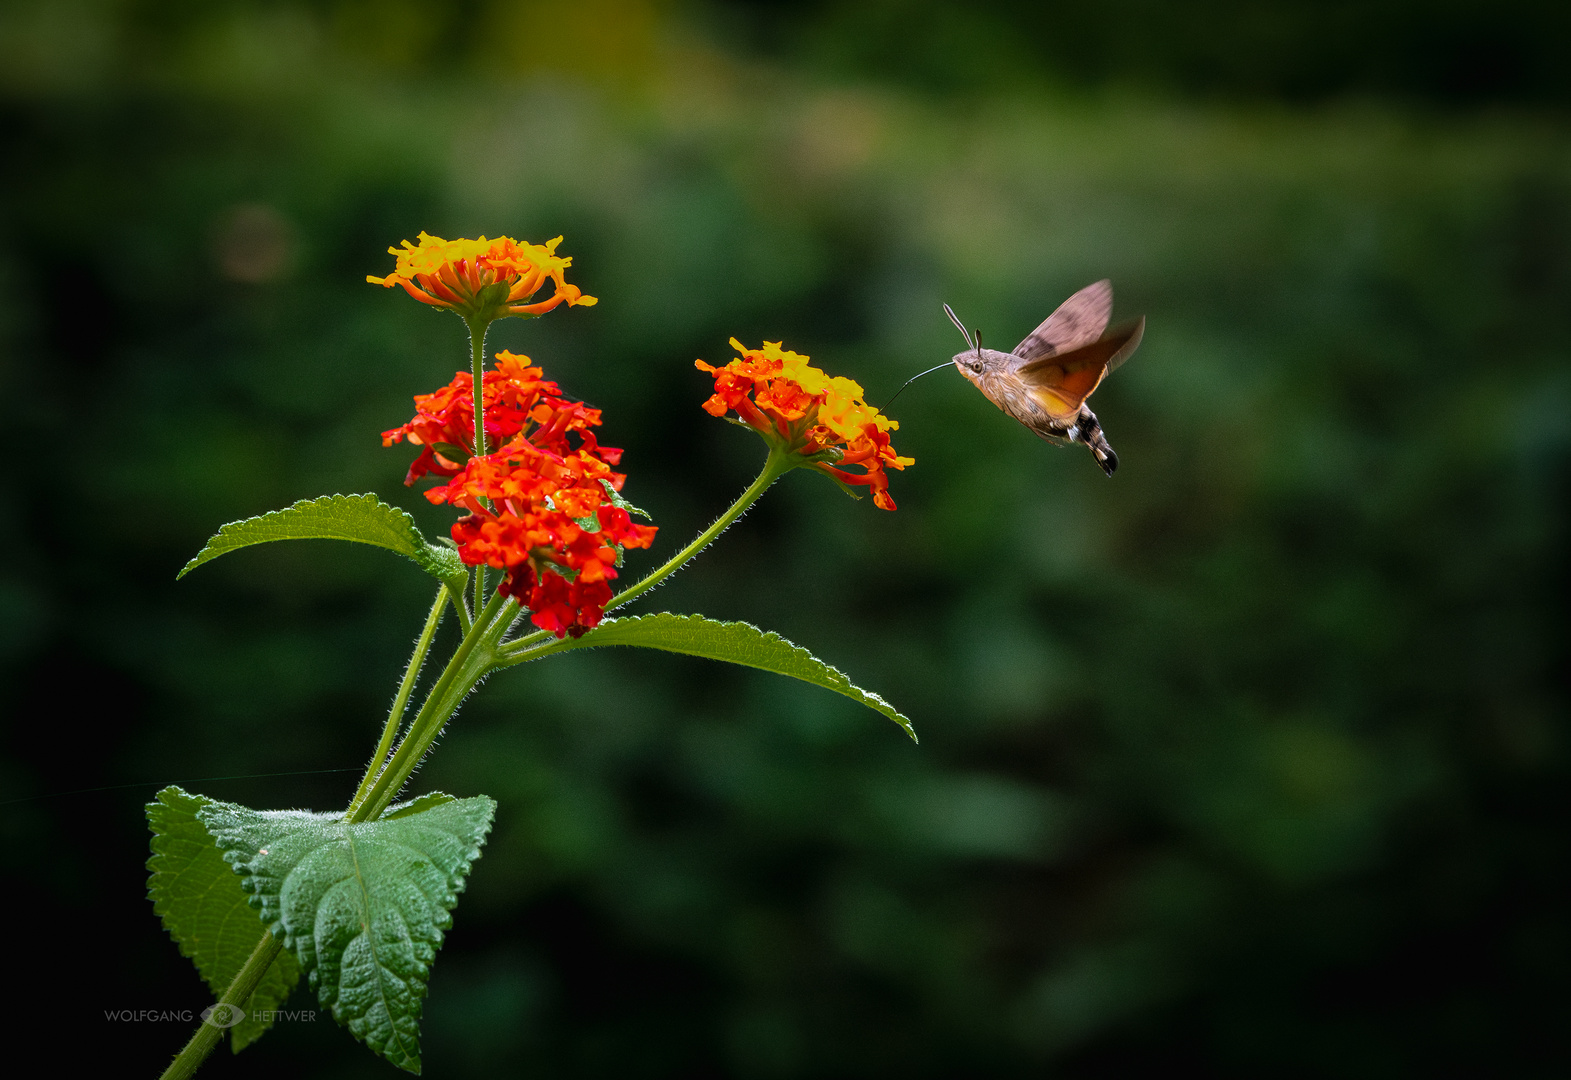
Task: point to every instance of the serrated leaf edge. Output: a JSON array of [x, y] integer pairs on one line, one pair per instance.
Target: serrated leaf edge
[[238, 860], [163, 903], [874, 701], [442, 564]]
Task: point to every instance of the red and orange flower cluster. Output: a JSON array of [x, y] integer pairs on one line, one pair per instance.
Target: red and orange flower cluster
[[540, 507], [482, 278], [809, 413]]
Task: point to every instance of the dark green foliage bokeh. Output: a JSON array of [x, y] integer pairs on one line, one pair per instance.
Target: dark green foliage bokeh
[[1251, 758]]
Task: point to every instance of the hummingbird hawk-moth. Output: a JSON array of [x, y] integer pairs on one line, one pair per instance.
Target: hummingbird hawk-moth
[[1045, 381]]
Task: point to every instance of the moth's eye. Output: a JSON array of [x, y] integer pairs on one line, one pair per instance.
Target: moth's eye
[[976, 365]]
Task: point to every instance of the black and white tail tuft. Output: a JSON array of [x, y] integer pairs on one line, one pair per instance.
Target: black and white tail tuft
[[1089, 431]]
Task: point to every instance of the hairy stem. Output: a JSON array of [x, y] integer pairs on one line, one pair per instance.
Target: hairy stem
[[209, 1035], [778, 464], [460, 605], [395, 716], [775, 466], [470, 663], [477, 332]]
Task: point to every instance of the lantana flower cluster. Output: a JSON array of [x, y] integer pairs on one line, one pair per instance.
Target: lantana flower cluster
[[516, 399], [483, 279], [542, 507], [818, 417]]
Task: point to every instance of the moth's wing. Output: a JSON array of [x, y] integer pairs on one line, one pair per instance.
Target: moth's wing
[[1131, 333], [1078, 321], [1061, 383]]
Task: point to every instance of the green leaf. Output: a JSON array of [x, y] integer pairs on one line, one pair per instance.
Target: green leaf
[[363, 907], [622, 504], [364, 519], [417, 806], [206, 911], [737, 643]]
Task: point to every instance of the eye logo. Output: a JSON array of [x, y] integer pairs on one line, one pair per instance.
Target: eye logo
[[223, 1015]]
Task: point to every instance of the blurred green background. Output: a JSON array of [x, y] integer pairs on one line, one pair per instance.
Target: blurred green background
[[1251, 759]]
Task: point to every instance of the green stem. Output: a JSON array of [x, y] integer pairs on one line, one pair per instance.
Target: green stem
[[511, 657], [209, 1035], [477, 332], [777, 465], [460, 606], [395, 716], [470, 662]]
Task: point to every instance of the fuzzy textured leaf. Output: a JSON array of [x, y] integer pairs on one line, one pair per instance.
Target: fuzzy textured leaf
[[206, 911], [418, 805], [737, 643], [363, 519], [363, 907]]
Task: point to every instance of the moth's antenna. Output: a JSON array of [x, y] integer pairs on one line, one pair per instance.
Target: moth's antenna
[[958, 326]]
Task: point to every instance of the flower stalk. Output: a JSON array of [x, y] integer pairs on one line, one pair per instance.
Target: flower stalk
[[470, 663], [477, 332], [395, 716], [776, 465]]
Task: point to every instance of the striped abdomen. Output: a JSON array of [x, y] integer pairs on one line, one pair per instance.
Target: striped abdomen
[[1014, 398]]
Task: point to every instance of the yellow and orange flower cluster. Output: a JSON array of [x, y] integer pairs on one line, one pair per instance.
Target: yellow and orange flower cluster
[[540, 508], [809, 413], [482, 279]]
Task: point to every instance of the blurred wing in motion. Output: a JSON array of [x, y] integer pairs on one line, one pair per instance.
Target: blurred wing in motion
[[1061, 383], [1078, 321]]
